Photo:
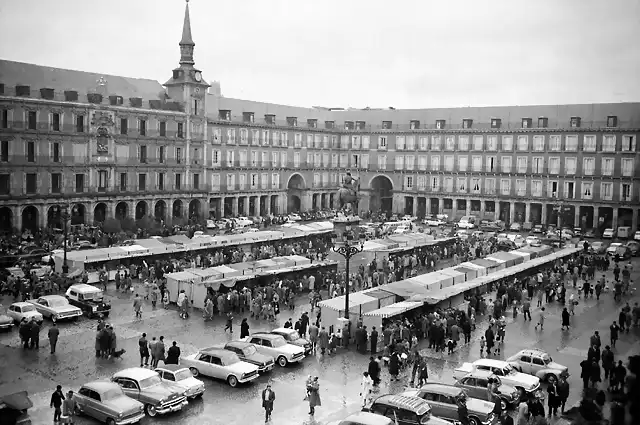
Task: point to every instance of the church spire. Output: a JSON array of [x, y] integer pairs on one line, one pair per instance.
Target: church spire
[[186, 43]]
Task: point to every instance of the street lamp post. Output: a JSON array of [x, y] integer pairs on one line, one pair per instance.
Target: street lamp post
[[560, 210], [64, 216], [348, 248]]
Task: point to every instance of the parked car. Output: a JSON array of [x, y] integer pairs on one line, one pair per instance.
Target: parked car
[[442, 400], [577, 232], [89, 299], [404, 410], [590, 233], [598, 247], [23, 310], [522, 382], [636, 236], [292, 337], [364, 418], [434, 221], [107, 403], [294, 217], [537, 228], [221, 364], [6, 321], [532, 240], [182, 377], [159, 397], [56, 307], [402, 230], [527, 226], [538, 363], [14, 408], [506, 245], [609, 233], [475, 385], [634, 247], [515, 227], [249, 353], [276, 347], [621, 250]]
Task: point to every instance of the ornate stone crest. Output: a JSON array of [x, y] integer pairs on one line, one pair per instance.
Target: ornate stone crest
[[101, 124]]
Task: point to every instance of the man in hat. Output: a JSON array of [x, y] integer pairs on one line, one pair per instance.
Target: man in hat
[[268, 397], [53, 334]]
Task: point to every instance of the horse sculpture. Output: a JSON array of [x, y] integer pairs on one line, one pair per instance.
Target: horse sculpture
[[348, 197]]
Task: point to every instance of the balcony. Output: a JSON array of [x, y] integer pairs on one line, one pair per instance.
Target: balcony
[[66, 129]]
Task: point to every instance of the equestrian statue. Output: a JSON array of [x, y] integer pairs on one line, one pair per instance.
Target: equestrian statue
[[348, 195]]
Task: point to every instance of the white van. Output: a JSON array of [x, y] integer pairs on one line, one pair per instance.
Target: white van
[[467, 222], [624, 232]]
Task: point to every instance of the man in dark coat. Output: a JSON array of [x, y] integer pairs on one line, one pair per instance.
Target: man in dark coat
[[173, 354], [268, 397], [288, 323], [361, 340], [53, 334], [387, 333], [304, 324], [374, 371], [585, 372], [374, 343], [489, 336], [608, 361], [34, 334]]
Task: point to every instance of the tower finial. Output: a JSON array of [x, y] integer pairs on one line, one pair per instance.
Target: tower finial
[[186, 43]]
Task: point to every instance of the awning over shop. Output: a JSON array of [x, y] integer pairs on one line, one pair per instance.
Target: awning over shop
[[395, 309], [490, 266], [227, 271], [407, 290], [469, 272], [183, 277], [481, 271], [384, 298], [456, 275], [355, 299], [508, 258], [524, 255], [527, 250]]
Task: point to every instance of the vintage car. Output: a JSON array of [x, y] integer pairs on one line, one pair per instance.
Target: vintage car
[[507, 374], [276, 347], [6, 322], [222, 364], [248, 352], [537, 363], [107, 403], [182, 377], [14, 407], [475, 385], [56, 307], [23, 310], [364, 418], [404, 410], [292, 337], [89, 299], [442, 399], [159, 397]]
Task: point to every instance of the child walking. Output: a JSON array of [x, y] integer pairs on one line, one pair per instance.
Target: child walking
[[541, 319]]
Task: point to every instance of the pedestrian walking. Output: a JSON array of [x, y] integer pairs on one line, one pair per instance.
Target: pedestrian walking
[[482, 344], [68, 409], [394, 366], [229, 323], [159, 352], [526, 309], [565, 319], [608, 361], [34, 334], [244, 328], [540, 294], [373, 339], [144, 350], [137, 306], [152, 350], [365, 388], [615, 331], [552, 398], [562, 390], [540, 320], [594, 374], [374, 371], [268, 397], [313, 395], [56, 403], [323, 340], [53, 334], [173, 354]]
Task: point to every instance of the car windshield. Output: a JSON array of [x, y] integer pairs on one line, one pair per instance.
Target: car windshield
[[249, 351], [112, 394], [58, 302], [547, 360], [293, 336], [278, 342], [182, 374], [92, 295], [150, 382], [28, 308]]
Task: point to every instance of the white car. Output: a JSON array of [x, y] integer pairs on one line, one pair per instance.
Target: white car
[[537, 363], [532, 240], [182, 377], [24, 310], [613, 248], [502, 237], [636, 236], [520, 381], [466, 225], [608, 234], [434, 222], [402, 230], [56, 307], [294, 217], [211, 224], [515, 227], [220, 364], [277, 347], [243, 222]]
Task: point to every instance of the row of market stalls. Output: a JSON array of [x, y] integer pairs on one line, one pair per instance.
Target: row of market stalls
[[158, 246], [444, 288], [196, 281]]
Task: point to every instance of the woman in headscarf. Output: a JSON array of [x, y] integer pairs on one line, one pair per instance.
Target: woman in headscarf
[[244, 328], [313, 389]]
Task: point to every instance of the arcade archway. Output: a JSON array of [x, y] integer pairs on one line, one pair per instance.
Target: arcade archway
[[160, 210], [177, 208], [295, 187], [122, 210], [194, 209], [142, 210], [54, 217], [6, 219], [381, 194], [100, 213], [30, 217], [78, 213]]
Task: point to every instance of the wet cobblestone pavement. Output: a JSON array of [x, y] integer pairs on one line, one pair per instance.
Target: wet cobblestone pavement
[[75, 362]]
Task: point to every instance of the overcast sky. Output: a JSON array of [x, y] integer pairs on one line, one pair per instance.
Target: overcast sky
[[377, 53]]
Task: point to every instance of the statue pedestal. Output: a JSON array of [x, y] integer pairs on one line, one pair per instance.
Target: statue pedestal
[[342, 224]]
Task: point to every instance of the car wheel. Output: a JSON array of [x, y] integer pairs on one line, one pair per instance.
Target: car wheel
[[233, 381], [550, 376], [474, 421], [111, 421], [194, 371], [282, 361], [150, 410]]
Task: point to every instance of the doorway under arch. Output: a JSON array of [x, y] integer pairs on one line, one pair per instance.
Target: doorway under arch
[[295, 187], [54, 217], [381, 194], [100, 213], [78, 213], [160, 210], [194, 209], [293, 203], [122, 210], [177, 208], [6, 219], [142, 210], [30, 218]]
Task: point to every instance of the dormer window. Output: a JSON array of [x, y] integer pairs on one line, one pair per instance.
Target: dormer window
[[270, 119], [612, 121], [292, 121], [224, 114], [440, 124], [575, 122], [177, 74], [386, 125], [247, 117], [116, 100], [467, 123], [414, 124], [349, 125], [360, 125], [496, 122], [312, 123], [329, 125], [543, 122], [526, 123]]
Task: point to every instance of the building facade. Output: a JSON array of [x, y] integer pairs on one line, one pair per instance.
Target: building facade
[[110, 146]]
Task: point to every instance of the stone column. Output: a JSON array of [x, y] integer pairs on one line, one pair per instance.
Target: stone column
[[596, 216], [427, 208], [234, 206], [543, 214], [267, 205], [527, 212], [258, 209], [614, 219], [43, 215], [483, 209], [16, 218], [468, 209], [415, 206], [441, 206], [577, 219], [512, 212], [634, 220]]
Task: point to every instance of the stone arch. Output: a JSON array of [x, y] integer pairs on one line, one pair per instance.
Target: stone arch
[[54, 217], [30, 218], [100, 212], [378, 180], [176, 210], [142, 209], [195, 209], [296, 181], [381, 193], [122, 210], [160, 210], [6, 219], [78, 214]]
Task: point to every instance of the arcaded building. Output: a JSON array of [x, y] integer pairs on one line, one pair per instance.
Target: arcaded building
[[112, 146]]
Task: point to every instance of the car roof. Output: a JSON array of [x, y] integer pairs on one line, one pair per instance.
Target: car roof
[[22, 304], [283, 330], [266, 335], [135, 373], [366, 418], [441, 389], [237, 344], [408, 402], [83, 287], [170, 367], [219, 351], [52, 297], [101, 386], [478, 373], [491, 362], [532, 351]]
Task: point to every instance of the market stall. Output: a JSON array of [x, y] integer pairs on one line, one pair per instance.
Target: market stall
[[508, 258], [524, 255], [226, 271], [467, 271], [359, 304], [375, 317], [480, 271], [490, 266], [155, 246], [527, 250], [407, 290], [384, 298], [456, 275], [432, 281]]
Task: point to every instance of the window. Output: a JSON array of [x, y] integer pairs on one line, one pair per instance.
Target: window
[[574, 122], [491, 164], [536, 188], [55, 152], [436, 143], [522, 164], [587, 190], [569, 190], [607, 167], [477, 143], [161, 154], [492, 143], [382, 142], [507, 143], [399, 162], [537, 165], [490, 186], [124, 124], [386, 125], [296, 159], [625, 192], [628, 143], [463, 163], [4, 118], [523, 143], [32, 121], [143, 154], [448, 184], [588, 166], [56, 182], [609, 143], [423, 144], [570, 165], [467, 123], [31, 183], [31, 152], [538, 143], [411, 143], [554, 165], [142, 127], [521, 187], [505, 186], [475, 185], [555, 143], [435, 163], [408, 182], [606, 191], [526, 122], [506, 164], [496, 122], [180, 132], [160, 181], [123, 182], [450, 143], [543, 122], [102, 180], [4, 151], [55, 121], [179, 155], [571, 143], [440, 124], [448, 163], [612, 121], [178, 181], [422, 163], [163, 129], [525, 359], [409, 161], [196, 181], [382, 162], [80, 123], [244, 136], [627, 167], [435, 183], [476, 163], [463, 143], [400, 143]]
